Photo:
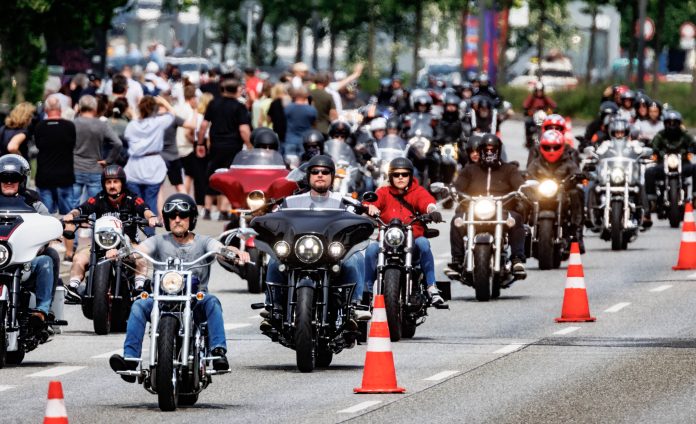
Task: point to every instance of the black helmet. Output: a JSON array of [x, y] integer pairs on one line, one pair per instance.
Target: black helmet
[[472, 76], [17, 168], [265, 138], [113, 172], [400, 163], [323, 161], [394, 123], [608, 108], [339, 128], [472, 143], [484, 101], [182, 204], [489, 150], [618, 125], [452, 99], [312, 137], [484, 80], [672, 121], [628, 95]]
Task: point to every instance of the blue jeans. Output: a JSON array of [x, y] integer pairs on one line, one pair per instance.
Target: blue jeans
[[42, 275], [58, 198], [209, 308], [85, 182], [351, 272], [149, 194], [421, 250]]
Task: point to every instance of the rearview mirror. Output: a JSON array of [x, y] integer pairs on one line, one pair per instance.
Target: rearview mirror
[[530, 183], [369, 196], [438, 187]]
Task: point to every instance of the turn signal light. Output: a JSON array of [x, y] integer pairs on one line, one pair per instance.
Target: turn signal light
[[144, 295], [200, 296]]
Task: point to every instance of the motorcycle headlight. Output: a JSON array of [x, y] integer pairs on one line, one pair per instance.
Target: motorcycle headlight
[[617, 176], [256, 200], [394, 237], [4, 255], [548, 188], [484, 209], [282, 249], [107, 239], [308, 249], [172, 282], [672, 161], [336, 250]]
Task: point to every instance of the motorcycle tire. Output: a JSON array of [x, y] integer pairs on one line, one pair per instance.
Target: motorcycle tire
[[87, 308], [255, 273], [545, 250], [167, 352], [675, 212], [392, 302], [324, 356], [15, 358], [616, 226], [188, 400], [305, 341], [482, 271], [120, 312], [408, 328], [495, 289], [101, 302], [3, 332]]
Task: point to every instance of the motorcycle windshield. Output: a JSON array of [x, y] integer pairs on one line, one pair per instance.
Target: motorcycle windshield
[[391, 147], [331, 225], [258, 159], [420, 126], [619, 155], [14, 204], [340, 152]]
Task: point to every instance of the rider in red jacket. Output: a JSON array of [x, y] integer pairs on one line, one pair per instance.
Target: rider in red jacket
[[403, 198]]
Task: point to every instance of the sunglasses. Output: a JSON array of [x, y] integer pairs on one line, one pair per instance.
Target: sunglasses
[[320, 171], [551, 148], [176, 206], [10, 179], [400, 174]]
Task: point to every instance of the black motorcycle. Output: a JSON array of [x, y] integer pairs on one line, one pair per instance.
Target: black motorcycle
[[672, 191], [312, 312], [402, 283]]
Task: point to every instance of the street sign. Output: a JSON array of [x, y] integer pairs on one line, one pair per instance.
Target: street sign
[[648, 29], [687, 30]]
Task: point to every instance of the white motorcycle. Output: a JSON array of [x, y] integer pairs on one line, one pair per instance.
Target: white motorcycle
[[23, 234]]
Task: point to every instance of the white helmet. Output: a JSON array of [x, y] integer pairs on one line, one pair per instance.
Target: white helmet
[[378, 124]]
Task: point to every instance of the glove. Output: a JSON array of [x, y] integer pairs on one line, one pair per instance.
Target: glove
[[69, 234], [436, 216]]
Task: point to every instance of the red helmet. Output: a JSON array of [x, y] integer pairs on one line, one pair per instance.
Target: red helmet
[[553, 122], [552, 145]]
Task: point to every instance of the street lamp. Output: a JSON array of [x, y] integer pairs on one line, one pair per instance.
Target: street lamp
[[251, 10]]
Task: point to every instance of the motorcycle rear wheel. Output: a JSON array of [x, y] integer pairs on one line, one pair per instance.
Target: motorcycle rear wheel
[[391, 282], [102, 312], [482, 271], [545, 249], [617, 226], [324, 356], [188, 400], [305, 342], [675, 212], [167, 352]]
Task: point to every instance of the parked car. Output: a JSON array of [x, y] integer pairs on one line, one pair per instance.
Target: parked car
[[557, 75]]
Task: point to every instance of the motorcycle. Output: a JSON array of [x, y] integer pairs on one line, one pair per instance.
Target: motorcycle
[[402, 283], [533, 132], [616, 207], [23, 233], [348, 177], [672, 191], [249, 181], [180, 363], [487, 266], [550, 222], [388, 148], [312, 312], [110, 283]]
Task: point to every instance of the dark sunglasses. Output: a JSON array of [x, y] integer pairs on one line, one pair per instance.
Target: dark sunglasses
[[320, 171], [10, 179], [551, 148], [176, 206], [400, 174]]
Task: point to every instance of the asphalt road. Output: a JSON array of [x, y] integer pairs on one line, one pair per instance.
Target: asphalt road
[[501, 361]]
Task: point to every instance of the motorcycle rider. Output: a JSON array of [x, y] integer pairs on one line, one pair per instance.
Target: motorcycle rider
[[556, 162], [313, 144], [537, 100], [626, 110], [180, 215], [648, 128], [14, 174], [114, 200], [265, 138], [484, 89], [450, 129], [492, 176], [394, 126], [673, 139], [378, 128], [320, 174], [483, 107], [597, 130], [402, 199]]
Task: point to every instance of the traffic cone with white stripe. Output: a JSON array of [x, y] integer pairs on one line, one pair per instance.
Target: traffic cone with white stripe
[[576, 307], [687, 249], [379, 375], [55, 407]]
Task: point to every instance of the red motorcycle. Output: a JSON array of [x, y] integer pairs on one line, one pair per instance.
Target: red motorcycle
[[254, 177]]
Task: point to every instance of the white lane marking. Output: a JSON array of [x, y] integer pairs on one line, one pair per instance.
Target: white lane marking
[[693, 276], [618, 307], [566, 330], [234, 325], [55, 371], [441, 375], [107, 354], [5, 388], [661, 288], [509, 348], [255, 317], [359, 407]]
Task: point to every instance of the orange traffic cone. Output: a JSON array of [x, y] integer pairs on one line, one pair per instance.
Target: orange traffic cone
[[379, 375], [687, 249], [55, 407], [576, 308]]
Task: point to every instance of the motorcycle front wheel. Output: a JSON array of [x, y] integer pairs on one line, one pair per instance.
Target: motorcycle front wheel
[[167, 353], [545, 250], [675, 211], [616, 225], [482, 271], [101, 302], [392, 301], [305, 345]]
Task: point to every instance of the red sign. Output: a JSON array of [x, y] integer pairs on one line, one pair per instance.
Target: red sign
[[648, 29]]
